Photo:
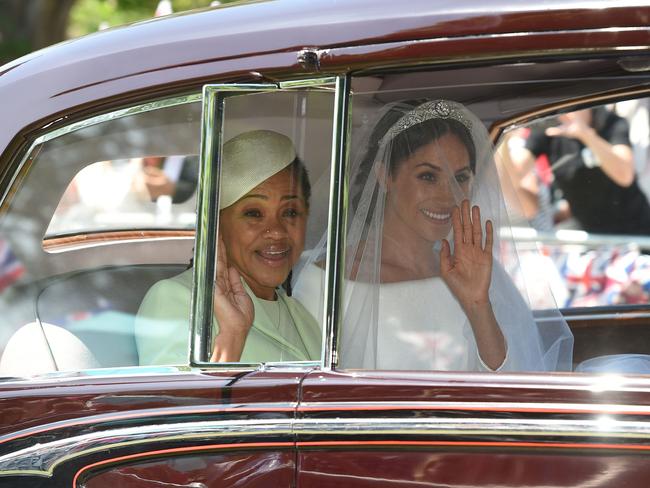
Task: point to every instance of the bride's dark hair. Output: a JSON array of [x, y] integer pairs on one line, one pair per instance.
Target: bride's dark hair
[[406, 142]]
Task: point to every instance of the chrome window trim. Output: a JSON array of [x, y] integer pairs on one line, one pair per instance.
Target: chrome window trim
[[118, 114], [214, 95], [335, 258]]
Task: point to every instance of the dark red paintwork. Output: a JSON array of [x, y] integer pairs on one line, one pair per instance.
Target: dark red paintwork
[[461, 467], [30, 407], [369, 387], [249, 469]]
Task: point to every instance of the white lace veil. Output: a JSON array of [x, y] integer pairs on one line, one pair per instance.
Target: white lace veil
[[418, 323]]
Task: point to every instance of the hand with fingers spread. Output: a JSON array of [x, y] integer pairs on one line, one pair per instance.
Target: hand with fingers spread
[[574, 125], [468, 272], [233, 310]]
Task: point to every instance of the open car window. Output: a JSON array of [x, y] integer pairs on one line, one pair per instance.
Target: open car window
[[581, 185], [580, 196]]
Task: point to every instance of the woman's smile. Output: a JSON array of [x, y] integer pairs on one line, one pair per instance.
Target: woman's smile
[[274, 256], [437, 216]]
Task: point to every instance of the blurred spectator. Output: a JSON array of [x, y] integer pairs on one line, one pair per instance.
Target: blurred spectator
[[527, 192], [637, 113], [592, 164], [175, 176]]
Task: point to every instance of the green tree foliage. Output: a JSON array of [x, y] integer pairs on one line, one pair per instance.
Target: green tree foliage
[[90, 15], [27, 25]]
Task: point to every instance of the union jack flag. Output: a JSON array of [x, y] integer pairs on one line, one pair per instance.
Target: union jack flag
[[11, 269], [606, 276]]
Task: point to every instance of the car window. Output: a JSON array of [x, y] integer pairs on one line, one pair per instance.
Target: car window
[[583, 202], [85, 232], [135, 193], [273, 159], [417, 294], [581, 183]]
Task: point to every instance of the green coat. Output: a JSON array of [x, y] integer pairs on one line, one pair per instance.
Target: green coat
[[162, 327]]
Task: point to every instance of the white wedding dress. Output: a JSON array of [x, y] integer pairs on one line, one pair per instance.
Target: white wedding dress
[[414, 330]]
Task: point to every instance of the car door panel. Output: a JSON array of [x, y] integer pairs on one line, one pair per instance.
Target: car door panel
[[157, 429]]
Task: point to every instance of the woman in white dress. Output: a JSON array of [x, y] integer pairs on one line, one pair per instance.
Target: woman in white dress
[[426, 286]]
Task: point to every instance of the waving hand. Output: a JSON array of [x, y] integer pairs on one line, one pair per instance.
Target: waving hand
[[233, 309], [468, 270]]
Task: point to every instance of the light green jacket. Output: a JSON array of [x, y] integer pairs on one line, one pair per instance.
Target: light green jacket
[[162, 328]]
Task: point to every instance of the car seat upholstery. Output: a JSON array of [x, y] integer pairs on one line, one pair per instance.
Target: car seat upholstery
[[84, 320], [38, 348]]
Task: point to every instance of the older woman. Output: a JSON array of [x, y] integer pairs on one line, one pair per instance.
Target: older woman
[[263, 213]]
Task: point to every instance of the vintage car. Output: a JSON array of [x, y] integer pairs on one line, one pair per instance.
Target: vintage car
[[97, 130]]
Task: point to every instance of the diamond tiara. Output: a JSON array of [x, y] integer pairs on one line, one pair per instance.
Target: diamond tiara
[[437, 109]]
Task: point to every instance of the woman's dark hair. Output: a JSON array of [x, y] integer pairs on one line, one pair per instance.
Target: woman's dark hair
[[408, 141], [300, 172], [413, 138]]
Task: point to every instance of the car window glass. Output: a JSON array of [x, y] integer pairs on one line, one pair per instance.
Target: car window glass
[[581, 181], [274, 184], [152, 191], [81, 245], [406, 305]]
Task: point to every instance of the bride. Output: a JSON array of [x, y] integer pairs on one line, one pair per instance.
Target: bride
[[426, 286]]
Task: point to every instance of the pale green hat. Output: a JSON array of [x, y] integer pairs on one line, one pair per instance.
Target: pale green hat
[[249, 159]]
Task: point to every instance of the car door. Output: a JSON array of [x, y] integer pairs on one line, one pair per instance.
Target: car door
[[378, 427], [79, 409]]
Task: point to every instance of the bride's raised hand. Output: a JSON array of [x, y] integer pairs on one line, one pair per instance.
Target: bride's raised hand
[[468, 270], [233, 309]]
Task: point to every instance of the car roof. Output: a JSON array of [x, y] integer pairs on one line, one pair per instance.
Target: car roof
[[201, 45]]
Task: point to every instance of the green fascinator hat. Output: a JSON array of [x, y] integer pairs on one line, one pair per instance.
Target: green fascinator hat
[[251, 158]]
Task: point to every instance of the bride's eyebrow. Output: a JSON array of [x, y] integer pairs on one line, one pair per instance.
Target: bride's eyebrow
[[429, 165], [438, 168]]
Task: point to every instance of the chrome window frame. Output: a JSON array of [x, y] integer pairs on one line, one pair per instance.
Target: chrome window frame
[[214, 95]]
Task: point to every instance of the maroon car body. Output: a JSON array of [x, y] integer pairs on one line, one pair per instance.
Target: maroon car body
[[320, 426]]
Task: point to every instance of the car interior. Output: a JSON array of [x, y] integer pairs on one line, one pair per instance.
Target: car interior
[[90, 284], [79, 292]]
